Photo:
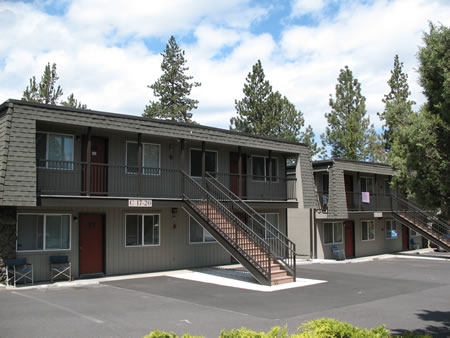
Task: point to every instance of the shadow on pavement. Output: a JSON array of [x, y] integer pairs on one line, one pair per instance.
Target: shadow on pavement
[[442, 329]]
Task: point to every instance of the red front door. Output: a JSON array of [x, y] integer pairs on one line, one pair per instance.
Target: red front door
[[98, 170], [405, 238], [91, 244], [349, 227], [348, 182], [236, 176]]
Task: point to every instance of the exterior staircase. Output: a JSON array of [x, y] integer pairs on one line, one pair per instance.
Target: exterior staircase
[[429, 226], [255, 243]]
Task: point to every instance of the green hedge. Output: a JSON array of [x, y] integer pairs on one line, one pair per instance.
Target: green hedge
[[319, 328]]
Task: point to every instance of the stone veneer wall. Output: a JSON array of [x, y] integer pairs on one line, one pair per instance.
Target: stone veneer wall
[[7, 238]]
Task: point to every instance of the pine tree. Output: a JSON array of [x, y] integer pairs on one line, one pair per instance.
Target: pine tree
[[73, 102], [266, 113], [349, 132], [420, 154], [47, 92], [253, 107], [172, 88], [398, 106]]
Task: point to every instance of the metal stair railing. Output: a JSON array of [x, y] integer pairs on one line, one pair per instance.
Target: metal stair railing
[[428, 225], [281, 246], [195, 195]]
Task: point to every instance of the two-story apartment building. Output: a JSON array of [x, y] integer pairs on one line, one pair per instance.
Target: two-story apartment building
[[355, 211], [121, 194]]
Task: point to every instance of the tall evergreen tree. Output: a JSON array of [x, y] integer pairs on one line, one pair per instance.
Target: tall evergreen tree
[[253, 107], [349, 132], [398, 106], [172, 88], [264, 112], [421, 155], [47, 90]]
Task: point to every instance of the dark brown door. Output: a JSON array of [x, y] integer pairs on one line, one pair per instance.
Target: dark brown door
[[235, 175], [98, 169], [405, 238], [349, 231], [91, 244], [348, 181]]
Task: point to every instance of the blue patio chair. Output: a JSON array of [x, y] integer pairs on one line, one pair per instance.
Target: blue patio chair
[[18, 270], [339, 254], [60, 267]]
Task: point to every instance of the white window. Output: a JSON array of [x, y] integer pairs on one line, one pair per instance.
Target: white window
[[196, 162], [151, 155], [333, 232], [197, 234], [43, 232], [267, 232], [368, 230], [54, 151], [261, 168], [391, 229], [141, 229], [367, 184]]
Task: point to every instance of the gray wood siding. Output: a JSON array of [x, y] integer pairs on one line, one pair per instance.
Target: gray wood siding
[[76, 122], [125, 123], [337, 202], [5, 127], [173, 252], [306, 180], [364, 167], [20, 176]]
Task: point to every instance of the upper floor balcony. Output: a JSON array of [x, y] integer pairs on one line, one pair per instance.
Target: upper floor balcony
[[70, 178], [358, 202]]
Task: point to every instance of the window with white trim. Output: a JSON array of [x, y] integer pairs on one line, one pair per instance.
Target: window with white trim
[[196, 162], [391, 229], [261, 168], [368, 230], [267, 231], [142, 229], [367, 184], [41, 232], [54, 151], [198, 234], [151, 158], [333, 232]]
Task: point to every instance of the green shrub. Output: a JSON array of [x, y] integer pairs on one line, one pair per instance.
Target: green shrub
[[161, 334], [332, 328], [275, 332]]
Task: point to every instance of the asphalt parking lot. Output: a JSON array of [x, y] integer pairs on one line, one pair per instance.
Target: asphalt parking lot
[[402, 292]]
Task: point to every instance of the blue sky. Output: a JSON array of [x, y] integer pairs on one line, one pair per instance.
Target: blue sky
[[108, 51]]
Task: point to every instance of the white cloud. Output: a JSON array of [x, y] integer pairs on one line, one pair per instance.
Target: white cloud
[[302, 7], [102, 53]]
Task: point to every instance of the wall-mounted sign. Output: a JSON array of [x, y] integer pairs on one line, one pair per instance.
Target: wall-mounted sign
[[378, 214], [140, 203]]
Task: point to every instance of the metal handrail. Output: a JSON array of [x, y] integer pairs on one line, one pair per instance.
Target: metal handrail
[[421, 218], [281, 245], [207, 197]]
